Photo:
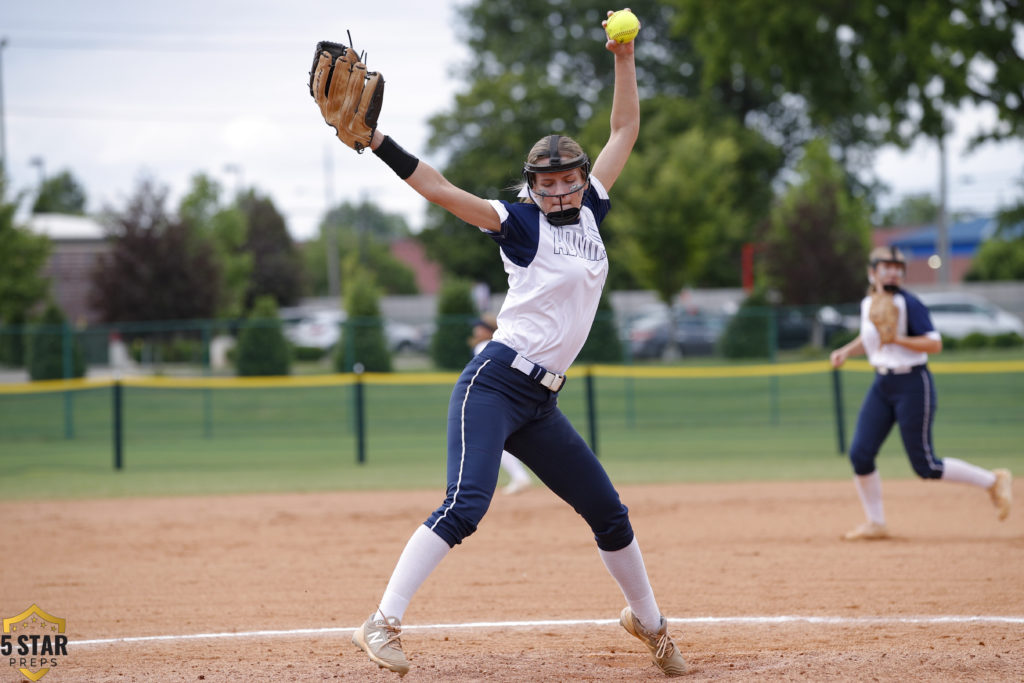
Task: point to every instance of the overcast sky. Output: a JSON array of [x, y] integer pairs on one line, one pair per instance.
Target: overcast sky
[[113, 90]]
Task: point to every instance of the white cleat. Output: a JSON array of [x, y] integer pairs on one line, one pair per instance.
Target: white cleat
[[868, 531], [1001, 492], [379, 639]]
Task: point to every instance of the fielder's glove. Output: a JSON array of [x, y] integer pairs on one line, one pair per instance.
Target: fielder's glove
[[884, 315], [348, 95]]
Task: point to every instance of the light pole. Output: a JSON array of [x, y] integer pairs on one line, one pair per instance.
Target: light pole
[[235, 170], [38, 162], [330, 229], [3, 131], [41, 165], [942, 243]]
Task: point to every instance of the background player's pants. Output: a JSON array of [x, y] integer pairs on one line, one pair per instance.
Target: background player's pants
[[908, 400], [495, 407]]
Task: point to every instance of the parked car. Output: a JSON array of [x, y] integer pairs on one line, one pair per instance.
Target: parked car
[[958, 314], [319, 329], [696, 333], [795, 326], [403, 337]]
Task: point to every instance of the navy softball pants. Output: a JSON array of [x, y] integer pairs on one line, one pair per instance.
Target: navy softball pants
[[909, 401], [494, 406]]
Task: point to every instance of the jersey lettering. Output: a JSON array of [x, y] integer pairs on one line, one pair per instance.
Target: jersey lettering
[[571, 242]]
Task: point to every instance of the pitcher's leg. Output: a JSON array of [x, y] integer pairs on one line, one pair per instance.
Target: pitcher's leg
[[915, 412], [874, 422], [560, 458], [480, 415]]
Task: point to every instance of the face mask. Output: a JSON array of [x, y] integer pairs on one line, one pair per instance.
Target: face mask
[[885, 269], [564, 215]]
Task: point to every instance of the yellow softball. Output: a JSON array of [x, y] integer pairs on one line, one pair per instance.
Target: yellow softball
[[622, 26]]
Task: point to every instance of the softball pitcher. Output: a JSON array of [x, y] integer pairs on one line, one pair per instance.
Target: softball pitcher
[[507, 396], [902, 393]]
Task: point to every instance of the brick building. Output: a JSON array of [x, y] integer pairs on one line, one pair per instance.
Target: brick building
[[920, 244], [78, 241]]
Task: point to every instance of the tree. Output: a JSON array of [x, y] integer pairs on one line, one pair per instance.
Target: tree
[[998, 259], [863, 70], [364, 233], [455, 313], [276, 263], [157, 268], [22, 283], [749, 332], [1002, 256], [225, 229], [915, 209], [667, 234], [362, 339], [818, 236], [61, 194], [603, 344], [47, 354], [262, 347], [861, 73]]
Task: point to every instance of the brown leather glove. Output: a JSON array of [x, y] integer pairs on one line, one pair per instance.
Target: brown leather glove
[[884, 315], [349, 96]]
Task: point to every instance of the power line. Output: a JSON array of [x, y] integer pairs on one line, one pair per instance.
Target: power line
[[162, 115], [156, 47]]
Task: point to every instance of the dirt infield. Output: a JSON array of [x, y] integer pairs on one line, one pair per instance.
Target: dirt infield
[[728, 563]]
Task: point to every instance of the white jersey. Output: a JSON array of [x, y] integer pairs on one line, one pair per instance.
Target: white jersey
[[914, 321], [555, 278]]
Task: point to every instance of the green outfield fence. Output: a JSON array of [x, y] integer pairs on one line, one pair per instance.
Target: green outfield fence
[[624, 411], [191, 345]]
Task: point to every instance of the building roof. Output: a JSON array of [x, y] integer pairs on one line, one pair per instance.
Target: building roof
[[964, 238], [428, 273], [64, 227]]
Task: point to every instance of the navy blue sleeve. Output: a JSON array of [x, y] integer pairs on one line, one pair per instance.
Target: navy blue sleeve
[[520, 233], [598, 205], [919, 320]]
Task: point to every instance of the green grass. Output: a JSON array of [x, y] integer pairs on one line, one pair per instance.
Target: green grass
[[197, 441]]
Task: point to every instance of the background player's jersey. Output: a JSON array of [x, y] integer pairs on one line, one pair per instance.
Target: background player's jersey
[[914, 321], [555, 278]]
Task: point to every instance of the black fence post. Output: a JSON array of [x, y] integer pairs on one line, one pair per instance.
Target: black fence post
[[359, 414], [67, 349], [118, 426], [591, 408], [837, 393]]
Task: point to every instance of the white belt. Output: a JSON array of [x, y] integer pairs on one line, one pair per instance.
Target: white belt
[[550, 380]]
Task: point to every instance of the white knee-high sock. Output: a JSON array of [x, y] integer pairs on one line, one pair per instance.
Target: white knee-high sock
[[869, 488], [423, 552], [514, 467], [627, 568], [966, 473]]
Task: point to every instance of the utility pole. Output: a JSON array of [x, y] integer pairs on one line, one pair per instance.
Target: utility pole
[[330, 229], [39, 163], [3, 128], [942, 240], [236, 171]]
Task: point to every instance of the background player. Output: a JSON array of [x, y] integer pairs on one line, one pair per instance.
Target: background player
[[551, 248], [519, 479], [903, 393]]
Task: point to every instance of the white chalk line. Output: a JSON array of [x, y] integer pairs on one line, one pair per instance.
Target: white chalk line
[[674, 621]]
